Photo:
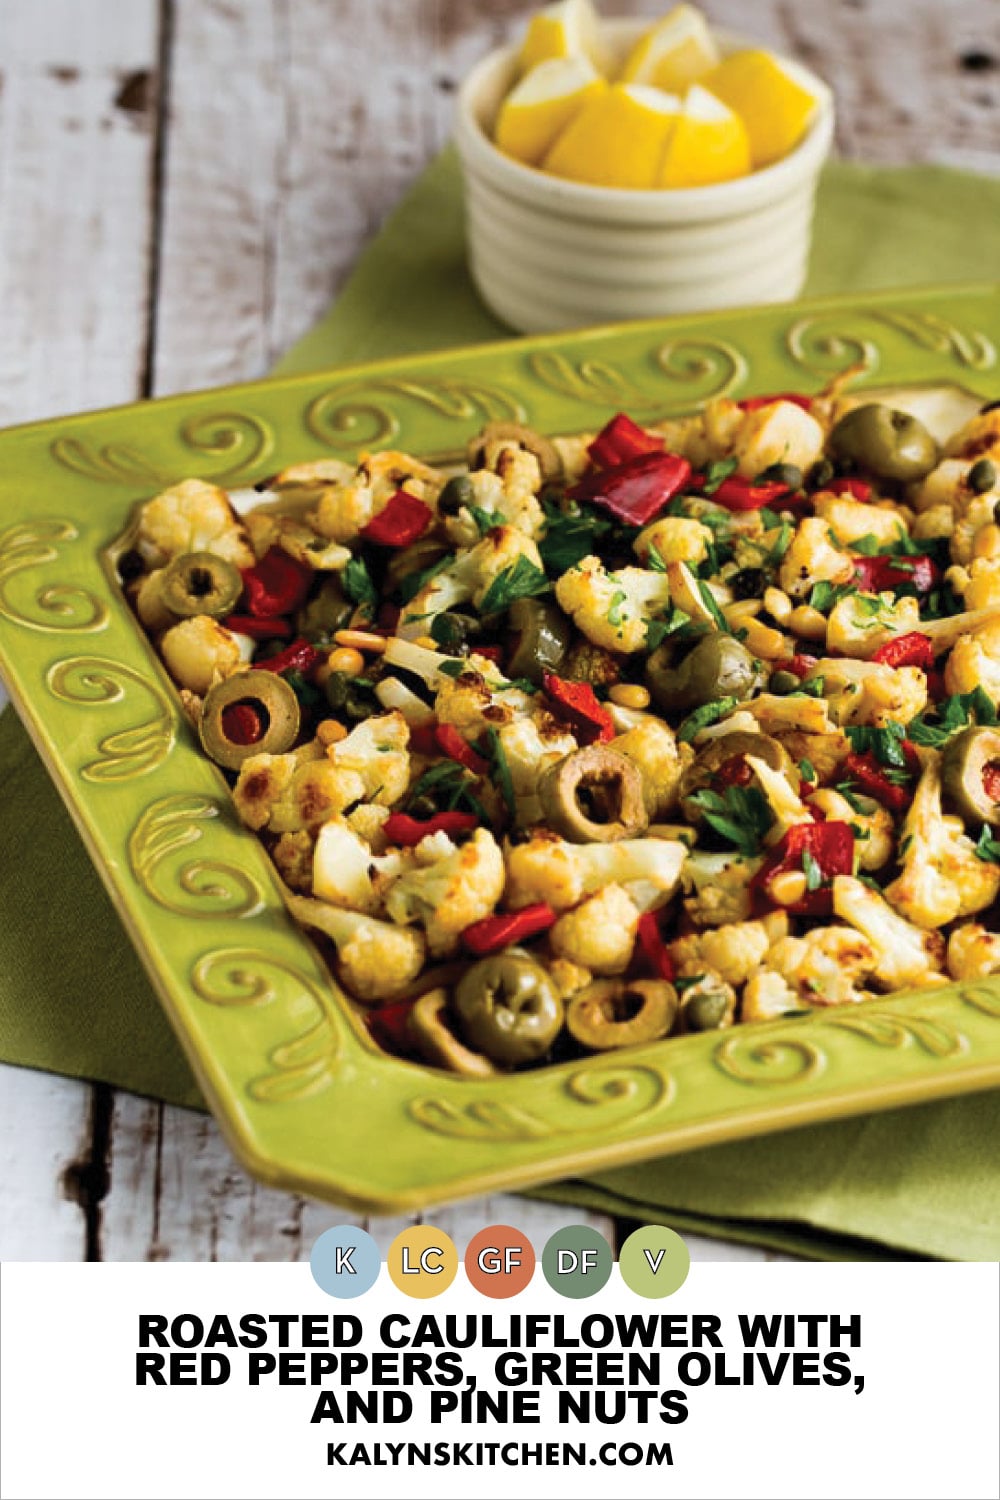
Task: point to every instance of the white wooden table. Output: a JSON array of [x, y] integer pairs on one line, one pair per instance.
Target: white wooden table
[[184, 185]]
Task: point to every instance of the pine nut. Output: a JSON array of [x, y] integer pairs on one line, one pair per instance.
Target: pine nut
[[778, 605], [361, 640], [787, 887], [807, 622], [346, 659], [762, 641], [330, 732], [629, 695]]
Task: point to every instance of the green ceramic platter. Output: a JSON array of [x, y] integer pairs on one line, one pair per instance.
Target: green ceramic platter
[[306, 1101]]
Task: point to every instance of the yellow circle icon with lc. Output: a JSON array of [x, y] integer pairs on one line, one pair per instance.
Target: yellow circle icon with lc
[[422, 1261]]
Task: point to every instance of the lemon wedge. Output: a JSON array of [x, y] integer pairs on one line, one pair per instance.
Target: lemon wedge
[[569, 28], [709, 144], [674, 53], [543, 103], [776, 100], [617, 139]]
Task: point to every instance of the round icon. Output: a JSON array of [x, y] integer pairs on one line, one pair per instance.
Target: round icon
[[499, 1261], [577, 1261], [654, 1261], [345, 1261], [422, 1261]]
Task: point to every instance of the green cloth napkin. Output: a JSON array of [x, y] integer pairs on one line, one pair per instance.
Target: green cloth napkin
[[921, 1182]]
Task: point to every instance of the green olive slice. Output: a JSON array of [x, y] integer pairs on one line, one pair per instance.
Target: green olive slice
[[594, 796], [427, 1025], [508, 1008], [883, 441], [722, 762], [525, 437], [542, 633], [970, 774], [621, 1013], [199, 583], [271, 699], [719, 666]]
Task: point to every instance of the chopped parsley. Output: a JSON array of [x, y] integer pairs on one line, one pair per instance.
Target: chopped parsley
[[716, 472], [738, 814], [414, 582], [449, 785], [711, 604], [812, 871], [658, 630], [854, 802], [358, 584], [618, 598], [484, 519], [501, 769], [655, 559], [570, 536], [935, 726], [988, 848], [807, 770], [708, 713], [886, 744], [825, 595], [520, 581]]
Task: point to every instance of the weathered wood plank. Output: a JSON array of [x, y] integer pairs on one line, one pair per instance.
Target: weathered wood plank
[[45, 1128]]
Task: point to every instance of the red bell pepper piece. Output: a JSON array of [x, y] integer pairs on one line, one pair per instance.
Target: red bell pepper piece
[[300, 656], [453, 744], [636, 490], [858, 489], [400, 828], [401, 521], [577, 703], [242, 724], [871, 776], [754, 403], [423, 739], [830, 844], [742, 494], [801, 664], [491, 653], [277, 585], [501, 930], [910, 650], [877, 573], [652, 949], [620, 439], [388, 1024], [269, 629]]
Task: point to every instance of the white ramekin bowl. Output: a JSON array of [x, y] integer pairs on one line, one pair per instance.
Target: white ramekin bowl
[[547, 254]]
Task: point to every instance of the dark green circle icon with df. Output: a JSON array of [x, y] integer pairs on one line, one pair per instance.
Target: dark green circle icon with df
[[577, 1261]]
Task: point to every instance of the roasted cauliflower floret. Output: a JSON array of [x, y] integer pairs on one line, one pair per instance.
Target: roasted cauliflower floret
[[345, 509], [467, 578], [828, 966], [874, 831], [653, 747], [675, 539], [199, 652], [768, 996], [377, 959], [735, 950], [470, 704], [718, 887], [941, 877], [346, 873], [851, 519], [448, 888], [193, 517], [973, 952], [812, 557], [529, 746], [612, 609], [375, 753], [778, 433], [906, 954], [561, 874], [600, 933], [871, 692], [860, 623]]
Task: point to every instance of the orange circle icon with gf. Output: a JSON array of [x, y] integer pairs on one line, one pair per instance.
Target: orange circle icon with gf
[[499, 1261]]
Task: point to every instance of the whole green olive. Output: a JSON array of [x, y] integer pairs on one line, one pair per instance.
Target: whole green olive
[[270, 706], [199, 583], [885, 442], [970, 774], [508, 1008], [594, 796], [617, 1013], [719, 666], [542, 634]]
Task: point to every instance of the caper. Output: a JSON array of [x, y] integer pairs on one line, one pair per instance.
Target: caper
[[719, 666], [274, 704], [982, 476], [820, 474], [458, 493], [885, 442], [199, 583], [428, 1029], [542, 634], [131, 566], [350, 697], [707, 1003], [508, 1008], [789, 474], [616, 1013], [783, 682], [454, 631], [593, 796], [748, 583], [970, 774]]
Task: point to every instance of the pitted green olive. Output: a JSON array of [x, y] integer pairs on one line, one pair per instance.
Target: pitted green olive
[[729, 750], [617, 1013], [515, 433], [719, 666], [427, 1025], [885, 442], [594, 796], [508, 1008], [707, 1004], [270, 706], [970, 774], [199, 583], [542, 633]]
